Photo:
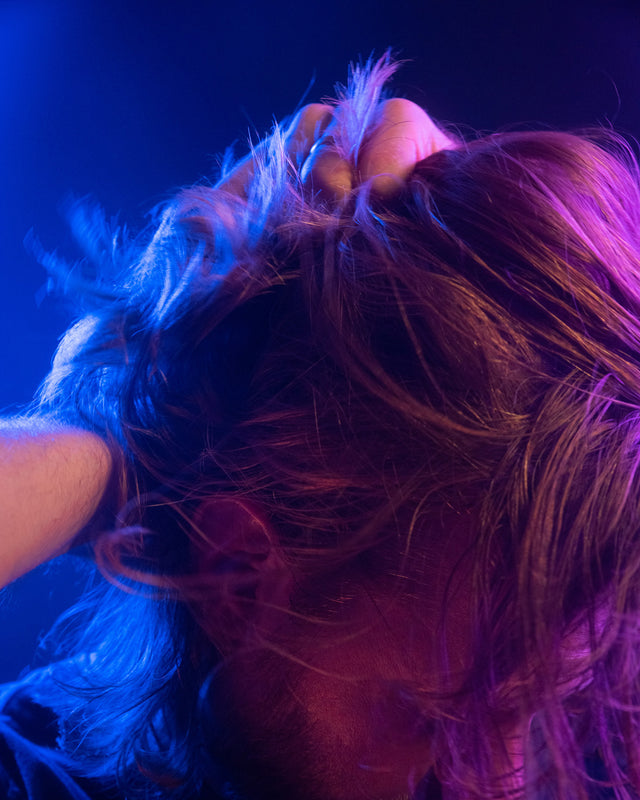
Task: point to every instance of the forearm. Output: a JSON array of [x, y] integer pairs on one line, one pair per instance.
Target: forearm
[[52, 481]]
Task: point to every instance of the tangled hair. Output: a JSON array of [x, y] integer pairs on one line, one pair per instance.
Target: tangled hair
[[469, 348]]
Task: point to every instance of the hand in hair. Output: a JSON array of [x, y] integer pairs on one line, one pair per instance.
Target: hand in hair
[[54, 479], [401, 135]]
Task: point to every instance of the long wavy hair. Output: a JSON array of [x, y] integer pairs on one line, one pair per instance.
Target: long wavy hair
[[353, 370]]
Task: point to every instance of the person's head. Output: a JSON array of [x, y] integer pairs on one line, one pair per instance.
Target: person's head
[[382, 478]]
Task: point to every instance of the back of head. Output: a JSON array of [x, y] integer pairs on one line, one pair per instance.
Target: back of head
[[373, 376]]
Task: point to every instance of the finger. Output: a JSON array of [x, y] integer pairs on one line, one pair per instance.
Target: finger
[[307, 126], [404, 135], [306, 129], [325, 171]]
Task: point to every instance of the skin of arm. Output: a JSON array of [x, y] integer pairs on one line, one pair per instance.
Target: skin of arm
[[52, 482]]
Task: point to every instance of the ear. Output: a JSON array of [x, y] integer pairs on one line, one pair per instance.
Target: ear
[[240, 565]]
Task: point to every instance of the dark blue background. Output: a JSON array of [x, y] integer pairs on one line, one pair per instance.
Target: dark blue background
[[127, 101]]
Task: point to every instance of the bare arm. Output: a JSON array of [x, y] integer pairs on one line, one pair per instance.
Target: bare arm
[[52, 480]]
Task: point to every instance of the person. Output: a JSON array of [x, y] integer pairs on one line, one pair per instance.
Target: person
[[354, 436]]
